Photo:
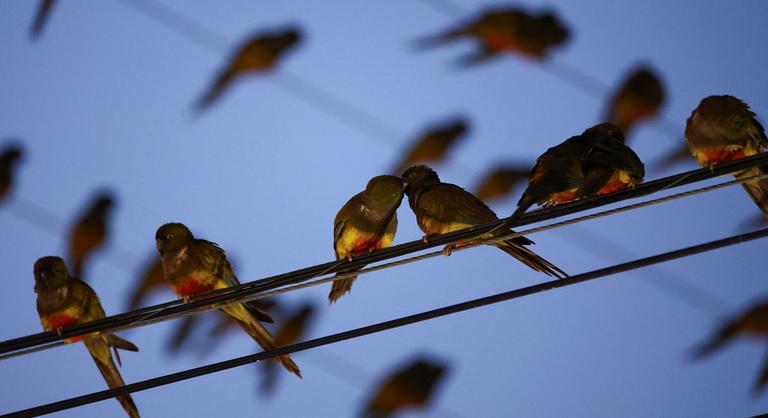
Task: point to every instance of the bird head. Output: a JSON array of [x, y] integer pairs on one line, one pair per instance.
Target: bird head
[[11, 154], [385, 190], [50, 273], [419, 176], [603, 130], [172, 236]]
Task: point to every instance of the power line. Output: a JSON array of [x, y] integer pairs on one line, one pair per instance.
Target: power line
[[387, 325], [245, 291]]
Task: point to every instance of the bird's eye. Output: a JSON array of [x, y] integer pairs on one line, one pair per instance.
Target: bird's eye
[[169, 236]]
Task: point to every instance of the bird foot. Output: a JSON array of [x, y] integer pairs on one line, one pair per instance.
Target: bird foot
[[349, 258], [58, 331]]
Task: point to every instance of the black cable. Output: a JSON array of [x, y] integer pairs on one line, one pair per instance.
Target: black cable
[[178, 307], [387, 325]]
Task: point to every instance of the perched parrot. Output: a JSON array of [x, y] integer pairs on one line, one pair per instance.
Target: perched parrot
[[410, 386], [89, 232], [640, 97], [151, 279], [41, 17], [367, 222], [443, 207], [193, 266], [753, 322], [500, 181], [259, 54], [722, 129], [9, 157], [433, 145], [294, 328], [507, 30], [594, 163], [64, 301]]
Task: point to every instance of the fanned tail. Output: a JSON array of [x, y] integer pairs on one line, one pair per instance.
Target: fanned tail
[[260, 334], [757, 189], [531, 259], [341, 287], [99, 350]]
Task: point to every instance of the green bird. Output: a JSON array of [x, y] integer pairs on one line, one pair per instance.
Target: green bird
[[506, 30], [433, 145], [639, 98], [723, 128], [443, 207], [753, 322], [89, 232], [367, 222], [63, 301], [410, 386], [501, 180], [259, 54], [193, 266], [594, 163], [9, 158]]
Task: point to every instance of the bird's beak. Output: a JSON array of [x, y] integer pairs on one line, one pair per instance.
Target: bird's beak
[[159, 245]]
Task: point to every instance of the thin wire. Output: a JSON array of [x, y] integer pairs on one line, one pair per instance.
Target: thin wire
[[293, 280], [387, 325]]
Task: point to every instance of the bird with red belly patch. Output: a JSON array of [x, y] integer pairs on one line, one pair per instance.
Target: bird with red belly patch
[[64, 301], [443, 207], [594, 163], [367, 222], [89, 232], [723, 128], [258, 55], [193, 266], [410, 386], [433, 145], [506, 30], [639, 98]]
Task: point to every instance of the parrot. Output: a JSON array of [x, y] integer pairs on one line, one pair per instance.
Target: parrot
[[64, 301], [723, 128], [753, 322], [594, 163], [9, 157], [433, 145], [367, 222], [500, 181], [41, 17], [289, 333], [89, 232], [151, 279], [194, 266], [506, 30], [409, 386], [640, 97], [443, 207], [259, 54], [676, 155]]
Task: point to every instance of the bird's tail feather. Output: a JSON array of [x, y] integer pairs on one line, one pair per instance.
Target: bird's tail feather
[[222, 81], [757, 189], [439, 39], [723, 335], [341, 287], [99, 350], [531, 259]]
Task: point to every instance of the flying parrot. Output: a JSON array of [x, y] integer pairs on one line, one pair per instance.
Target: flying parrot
[[408, 387], [367, 222], [258, 55], [433, 145], [500, 181], [151, 279], [640, 97], [443, 207], [193, 266], [594, 163], [722, 129], [753, 322], [292, 330], [9, 157], [64, 301], [506, 30], [90, 232], [41, 17]]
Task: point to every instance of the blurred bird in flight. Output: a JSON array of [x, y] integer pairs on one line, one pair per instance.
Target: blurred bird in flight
[[639, 98], [501, 181], [294, 329], [9, 158], [41, 18], [723, 128], [89, 232], [411, 386], [151, 279], [433, 145], [64, 301]]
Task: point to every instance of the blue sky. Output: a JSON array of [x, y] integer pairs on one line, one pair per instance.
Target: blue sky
[[103, 100]]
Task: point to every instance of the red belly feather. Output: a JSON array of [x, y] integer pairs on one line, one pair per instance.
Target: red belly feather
[[612, 186], [190, 287], [563, 197], [57, 321], [365, 245], [718, 155]]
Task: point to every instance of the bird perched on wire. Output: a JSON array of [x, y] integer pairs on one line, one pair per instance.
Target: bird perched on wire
[[367, 222], [293, 329], [89, 232], [64, 301], [193, 266], [443, 207], [639, 98], [410, 386], [9, 158], [506, 30], [433, 145], [41, 17], [723, 128], [594, 163], [753, 322], [501, 180], [259, 54]]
